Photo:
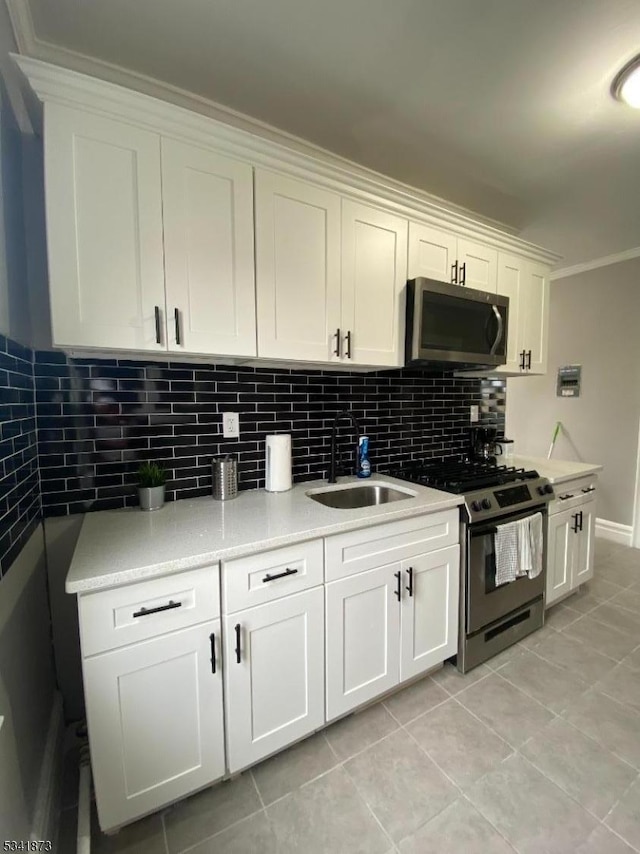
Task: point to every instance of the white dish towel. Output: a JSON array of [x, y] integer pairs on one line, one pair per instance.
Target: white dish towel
[[518, 549]]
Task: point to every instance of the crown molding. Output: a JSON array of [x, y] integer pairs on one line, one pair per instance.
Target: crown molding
[[604, 261], [209, 124]]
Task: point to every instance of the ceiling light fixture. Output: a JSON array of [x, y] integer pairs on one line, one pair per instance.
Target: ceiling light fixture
[[626, 86]]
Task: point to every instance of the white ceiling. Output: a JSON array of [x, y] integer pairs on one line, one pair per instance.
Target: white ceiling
[[502, 106]]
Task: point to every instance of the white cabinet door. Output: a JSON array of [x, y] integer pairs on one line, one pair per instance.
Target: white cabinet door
[[208, 243], [155, 717], [374, 273], [535, 317], [560, 555], [511, 276], [585, 542], [104, 232], [480, 265], [297, 268], [363, 638], [432, 252], [429, 614], [274, 676]]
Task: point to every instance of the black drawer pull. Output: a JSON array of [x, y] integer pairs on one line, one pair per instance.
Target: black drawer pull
[[564, 497], [144, 612], [238, 649], [398, 590], [410, 585], [279, 575], [212, 638], [588, 489]]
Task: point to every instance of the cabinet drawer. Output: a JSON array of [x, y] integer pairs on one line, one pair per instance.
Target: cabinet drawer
[[263, 577], [136, 612], [572, 493], [357, 551]]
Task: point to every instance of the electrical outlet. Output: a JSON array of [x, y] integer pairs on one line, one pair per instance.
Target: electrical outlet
[[474, 412], [230, 425]]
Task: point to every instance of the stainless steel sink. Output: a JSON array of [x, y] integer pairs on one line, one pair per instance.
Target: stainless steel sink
[[365, 495]]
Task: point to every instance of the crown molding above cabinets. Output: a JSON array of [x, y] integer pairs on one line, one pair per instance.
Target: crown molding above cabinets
[[152, 215]]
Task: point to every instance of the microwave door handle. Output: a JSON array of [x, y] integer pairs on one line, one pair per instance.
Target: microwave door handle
[[495, 344]]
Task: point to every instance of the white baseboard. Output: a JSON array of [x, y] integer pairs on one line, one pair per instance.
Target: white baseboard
[[614, 531], [45, 816]]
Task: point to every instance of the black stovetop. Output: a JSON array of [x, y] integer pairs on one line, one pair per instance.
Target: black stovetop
[[459, 475]]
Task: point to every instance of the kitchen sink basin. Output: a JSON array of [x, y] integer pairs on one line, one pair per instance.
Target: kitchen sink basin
[[359, 495]]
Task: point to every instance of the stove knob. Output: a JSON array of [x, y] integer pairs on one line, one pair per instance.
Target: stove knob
[[548, 489], [542, 490], [475, 506], [486, 504]]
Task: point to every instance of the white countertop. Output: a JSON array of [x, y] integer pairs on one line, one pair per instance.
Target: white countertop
[[123, 546], [556, 471]]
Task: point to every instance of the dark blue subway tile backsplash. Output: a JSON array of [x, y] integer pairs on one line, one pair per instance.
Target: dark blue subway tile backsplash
[[19, 481], [98, 419]]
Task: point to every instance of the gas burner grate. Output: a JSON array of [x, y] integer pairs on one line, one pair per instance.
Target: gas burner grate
[[460, 475]]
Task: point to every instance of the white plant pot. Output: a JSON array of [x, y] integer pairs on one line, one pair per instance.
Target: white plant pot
[[151, 498]]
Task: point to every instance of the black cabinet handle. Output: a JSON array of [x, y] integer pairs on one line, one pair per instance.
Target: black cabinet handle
[[336, 352], [398, 590], [564, 497], [158, 329], [279, 575], [575, 528], [528, 360], [522, 362], [212, 638], [176, 318], [463, 273], [348, 340], [588, 489], [410, 585], [144, 612], [580, 514], [238, 649], [454, 273]]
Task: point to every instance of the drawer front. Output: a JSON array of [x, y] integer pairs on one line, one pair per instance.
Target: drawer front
[[135, 612], [357, 551], [572, 493], [266, 576]]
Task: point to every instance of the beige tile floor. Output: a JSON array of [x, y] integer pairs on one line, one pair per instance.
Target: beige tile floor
[[538, 751]]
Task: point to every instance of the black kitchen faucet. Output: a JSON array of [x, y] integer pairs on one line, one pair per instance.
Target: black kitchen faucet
[[344, 413]]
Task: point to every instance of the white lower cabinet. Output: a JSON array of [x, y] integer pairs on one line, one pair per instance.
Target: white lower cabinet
[[274, 676], [570, 539], [429, 613], [155, 718], [363, 638], [389, 624]]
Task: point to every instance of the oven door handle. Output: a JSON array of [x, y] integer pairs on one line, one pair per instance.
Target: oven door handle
[[482, 532]]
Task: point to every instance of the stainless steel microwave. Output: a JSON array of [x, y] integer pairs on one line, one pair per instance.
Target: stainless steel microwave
[[455, 324]]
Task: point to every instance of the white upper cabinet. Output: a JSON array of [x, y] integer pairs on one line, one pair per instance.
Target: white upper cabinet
[[527, 286], [297, 268], [374, 273], [104, 232], [442, 255], [477, 265], [207, 204], [432, 253]]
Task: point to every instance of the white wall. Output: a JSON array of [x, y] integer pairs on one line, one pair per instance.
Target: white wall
[[594, 322], [27, 686]]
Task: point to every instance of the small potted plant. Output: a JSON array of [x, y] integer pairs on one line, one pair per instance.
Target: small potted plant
[[151, 481]]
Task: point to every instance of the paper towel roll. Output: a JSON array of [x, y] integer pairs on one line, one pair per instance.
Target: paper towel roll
[[278, 462]]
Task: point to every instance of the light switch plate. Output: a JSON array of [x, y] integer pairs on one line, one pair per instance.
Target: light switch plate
[[474, 413], [230, 425]]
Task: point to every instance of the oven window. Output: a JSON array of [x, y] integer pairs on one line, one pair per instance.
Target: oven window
[[458, 324]]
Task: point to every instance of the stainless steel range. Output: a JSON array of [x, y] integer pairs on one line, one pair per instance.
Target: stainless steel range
[[492, 617]]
